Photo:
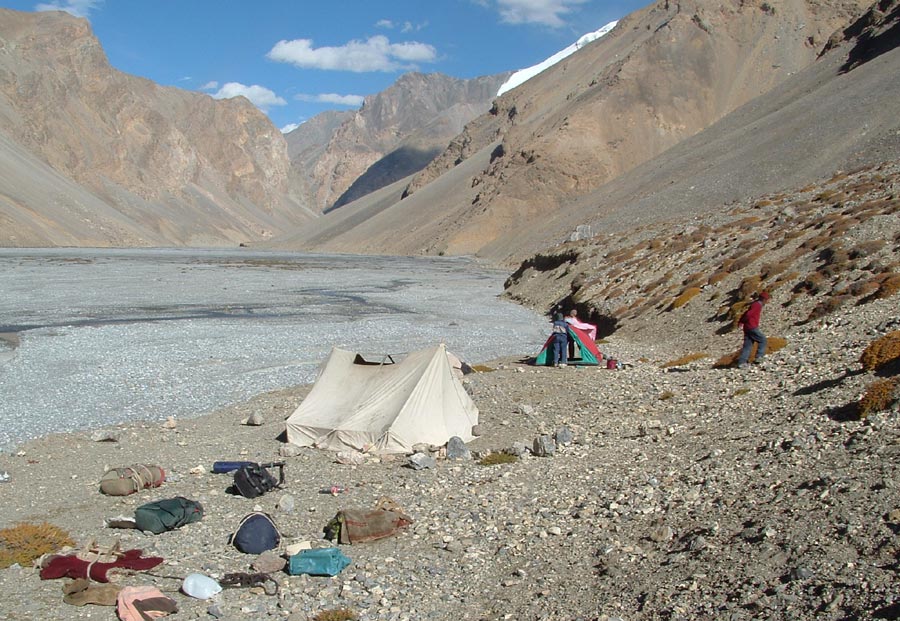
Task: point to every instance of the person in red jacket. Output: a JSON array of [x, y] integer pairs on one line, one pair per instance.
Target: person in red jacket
[[752, 334]]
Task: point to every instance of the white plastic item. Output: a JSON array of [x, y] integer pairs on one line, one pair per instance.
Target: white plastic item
[[200, 586]]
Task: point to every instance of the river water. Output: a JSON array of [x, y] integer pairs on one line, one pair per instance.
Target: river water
[[109, 336]]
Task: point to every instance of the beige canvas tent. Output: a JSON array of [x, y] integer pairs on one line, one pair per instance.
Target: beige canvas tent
[[383, 408]]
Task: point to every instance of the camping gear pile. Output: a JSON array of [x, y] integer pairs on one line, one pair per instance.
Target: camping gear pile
[[355, 407]]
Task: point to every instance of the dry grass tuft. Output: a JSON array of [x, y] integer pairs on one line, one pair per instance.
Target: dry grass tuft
[[666, 395], [480, 368], [773, 344], [746, 260], [889, 287], [828, 306], [866, 248], [336, 614], [685, 297], [881, 352], [718, 277], [880, 395], [678, 362], [26, 542]]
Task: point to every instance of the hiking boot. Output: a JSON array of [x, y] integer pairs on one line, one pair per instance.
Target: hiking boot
[[563, 366], [743, 365]]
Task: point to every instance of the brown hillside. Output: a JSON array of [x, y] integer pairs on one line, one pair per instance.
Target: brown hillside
[[156, 165], [663, 74]]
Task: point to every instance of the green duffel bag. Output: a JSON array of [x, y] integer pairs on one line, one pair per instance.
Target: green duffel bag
[[169, 514]]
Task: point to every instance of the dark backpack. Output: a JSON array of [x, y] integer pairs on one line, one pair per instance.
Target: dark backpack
[[162, 515], [256, 533], [254, 480]]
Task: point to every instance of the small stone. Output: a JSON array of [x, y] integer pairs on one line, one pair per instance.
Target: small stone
[[286, 504], [269, 562], [518, 449], [564, 435], [698, 543], [457, 449], [802, 573], [478, 430], [170, 423], [662, 534], [105, 435], [289, 450], [420, 461], [544, 446], [254, 420]]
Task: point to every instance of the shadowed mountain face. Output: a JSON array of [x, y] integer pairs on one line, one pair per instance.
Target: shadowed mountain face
[[661, 76], [94, 156], [405, 126]]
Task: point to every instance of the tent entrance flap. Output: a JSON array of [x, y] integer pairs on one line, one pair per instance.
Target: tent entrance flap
[[385, 359]]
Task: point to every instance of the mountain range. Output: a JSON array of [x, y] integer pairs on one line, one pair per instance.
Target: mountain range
[[681, 108]]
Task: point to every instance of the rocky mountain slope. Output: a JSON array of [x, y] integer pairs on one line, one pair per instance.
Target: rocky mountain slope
[[662, 75], [92, 156], [839, 236], [395, 133]]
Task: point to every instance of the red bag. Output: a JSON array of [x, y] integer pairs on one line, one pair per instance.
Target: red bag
[[612, 363]]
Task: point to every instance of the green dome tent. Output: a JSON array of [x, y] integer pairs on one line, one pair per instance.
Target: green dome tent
[[586, 352]]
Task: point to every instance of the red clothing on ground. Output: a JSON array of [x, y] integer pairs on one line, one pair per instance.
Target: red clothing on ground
[[750, 319]]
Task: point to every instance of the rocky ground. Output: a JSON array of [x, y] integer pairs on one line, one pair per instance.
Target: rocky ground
[[688, 493]]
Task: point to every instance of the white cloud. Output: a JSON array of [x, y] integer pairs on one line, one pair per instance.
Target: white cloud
[[384, 23], [545, 12], [210, 86], [287, 129], [78, 8], [374, 54], [344, 100], [260, 96]]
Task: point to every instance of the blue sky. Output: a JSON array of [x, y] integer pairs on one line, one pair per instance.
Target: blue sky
[[296, 58]]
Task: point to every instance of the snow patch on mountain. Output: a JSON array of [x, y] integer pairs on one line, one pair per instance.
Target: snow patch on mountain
[[526, 74]]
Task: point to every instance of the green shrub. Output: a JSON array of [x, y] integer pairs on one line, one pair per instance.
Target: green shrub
[[497, 458]]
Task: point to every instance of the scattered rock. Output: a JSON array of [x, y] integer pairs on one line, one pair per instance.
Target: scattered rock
[[544, 446], [254, 420], [420, 461], [564, 436], [457, 449]]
